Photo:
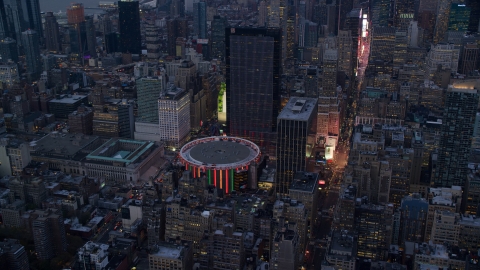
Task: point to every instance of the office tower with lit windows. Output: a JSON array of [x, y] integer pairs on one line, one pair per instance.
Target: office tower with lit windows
[[253, 82], [8, 50], [75, 13], [456, 135], [330, 67], [441, 24], [354, 25], [174, 116], [52, 36], [344, 44], [295, 123], [380, 10], [129, 26], [200, 19], [383, 41], [30, 41], [413, 219], [474, 23], [176, 28], [459, 17], [403, 9], [19, 16]]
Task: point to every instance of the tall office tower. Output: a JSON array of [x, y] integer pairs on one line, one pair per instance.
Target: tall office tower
[[177, 8], [174, 116], [329, 81], [176, 28], [457, 129], [311, 82], [129, 26], [32, 54], [441, 54], [403, 9], [459, 17], [8, 50], [380, 10], [253, 81], [148, 92], [344, 44], [200, 19], [400, 50], [354, 25], [14, 254], [441, 24], [274, 13], [113, 118], [311, 34], [295, 123], [345, 7], [383, 40], [48, 233], [474, 23], [469, 58], [373, 223], [75, 13], [218, 37], [262, 14], [52, 36], [413, 219], [91, 40], [471, 195], [152, 40], [291, 29], [19, 17]]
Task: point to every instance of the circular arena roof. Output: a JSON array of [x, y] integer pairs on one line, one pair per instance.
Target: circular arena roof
[[220, 153]]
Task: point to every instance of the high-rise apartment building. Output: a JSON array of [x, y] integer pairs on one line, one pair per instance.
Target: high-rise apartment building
[[329, 81], [152, 40], [148, 92], [75, 13], [81, 120], [344, 44], [295, 123], [174, 116], [129, 26], [48, 233], [200, 19], [253, 81], [457, 129], [15, 253], [30, 41], [52, 36]]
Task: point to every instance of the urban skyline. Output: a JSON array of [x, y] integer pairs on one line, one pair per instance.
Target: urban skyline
[[287, 135]]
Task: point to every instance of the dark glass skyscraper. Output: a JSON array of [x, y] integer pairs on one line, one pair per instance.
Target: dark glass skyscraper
[[200, 19], [32, 54], [52, 36], [253, 83], [456, 137], [218, 37], [459, 17], [129, 25]]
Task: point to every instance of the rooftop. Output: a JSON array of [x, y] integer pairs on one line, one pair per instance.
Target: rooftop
[[61, 144], [218, 152], [168, 251], [68, 99], [120, 150], [298, 108], [303, 181]]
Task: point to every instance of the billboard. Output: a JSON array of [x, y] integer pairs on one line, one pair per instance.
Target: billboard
[[329, 152]]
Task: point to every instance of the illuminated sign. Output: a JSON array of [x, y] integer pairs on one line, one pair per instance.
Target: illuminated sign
[[329, 153], [406, 16], [321, 182]]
